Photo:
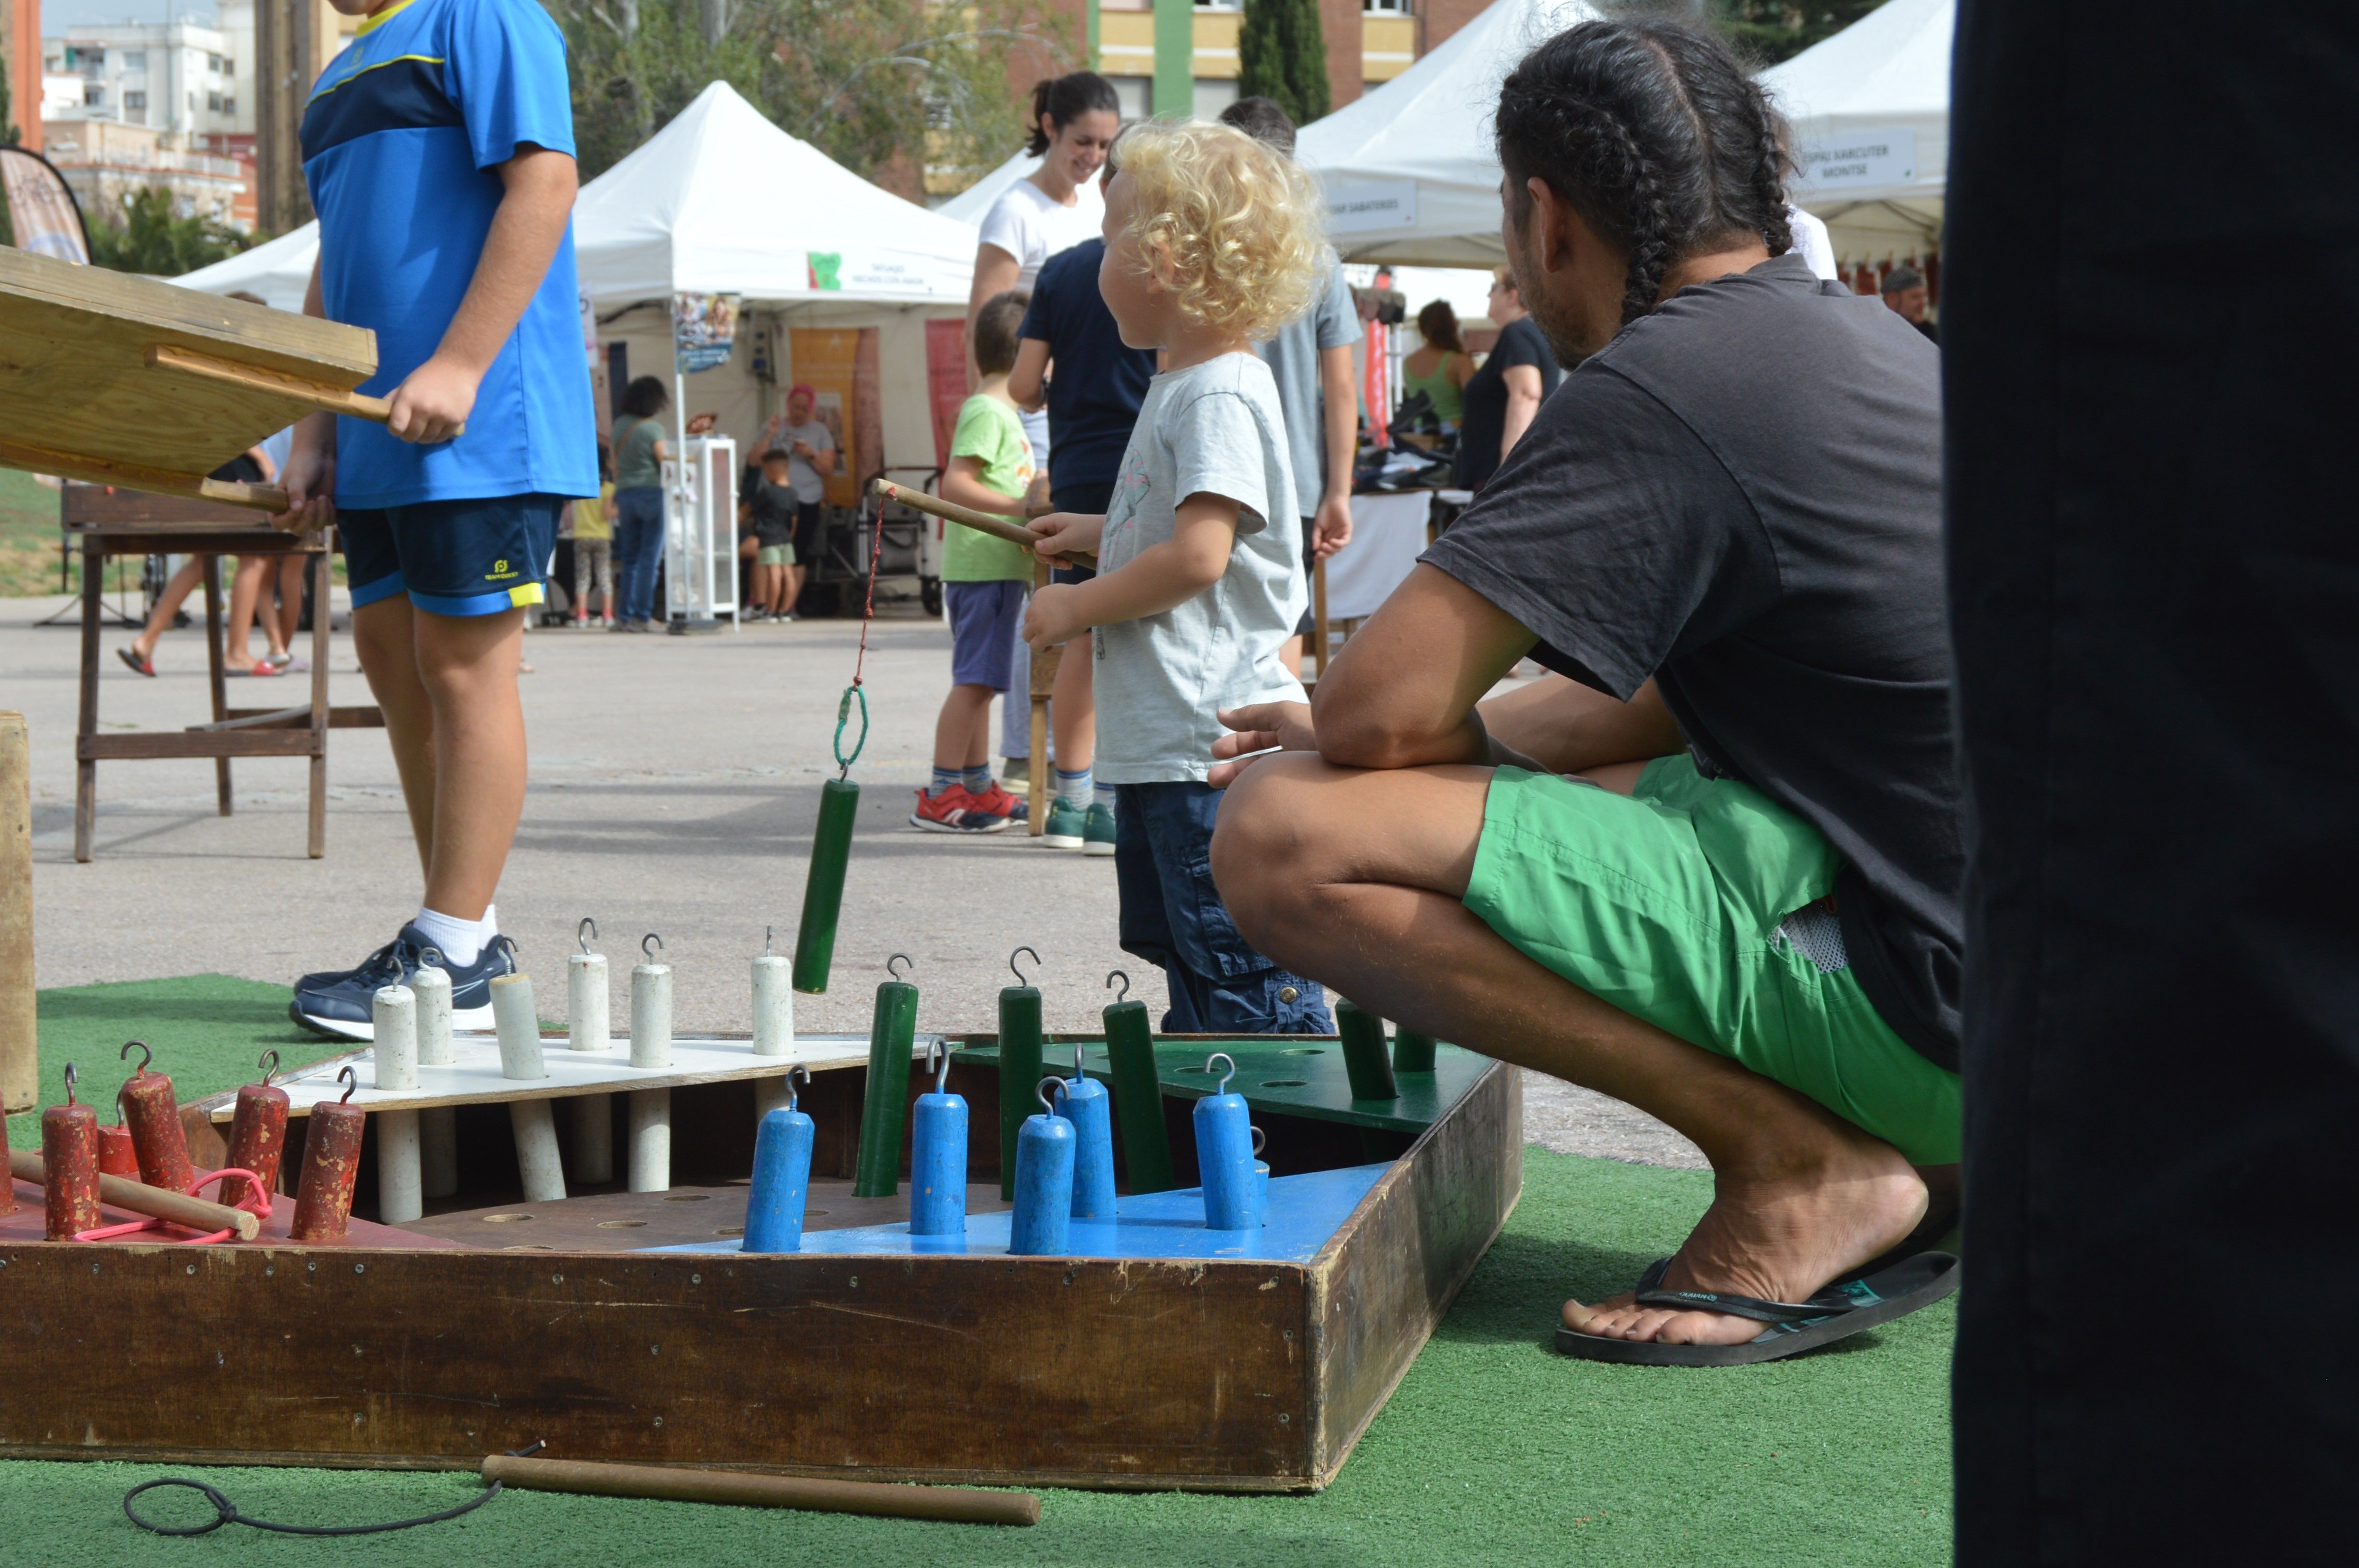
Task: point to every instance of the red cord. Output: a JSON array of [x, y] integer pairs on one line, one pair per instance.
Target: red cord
[[868, 610]]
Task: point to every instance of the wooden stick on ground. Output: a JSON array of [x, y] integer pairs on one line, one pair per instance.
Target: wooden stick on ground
[[955, 1505], [981, 522], [154, 1201]]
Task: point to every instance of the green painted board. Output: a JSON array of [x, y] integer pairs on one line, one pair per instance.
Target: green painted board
[[1299, 1074]]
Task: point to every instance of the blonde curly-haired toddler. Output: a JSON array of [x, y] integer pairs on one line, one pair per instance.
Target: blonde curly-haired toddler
[[1212, 241]]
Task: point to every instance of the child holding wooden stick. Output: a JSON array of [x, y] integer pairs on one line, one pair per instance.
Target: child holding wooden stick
[[1212, 241]]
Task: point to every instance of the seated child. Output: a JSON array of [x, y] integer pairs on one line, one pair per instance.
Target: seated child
[[984, 583], [772, 510], [1212, 243]]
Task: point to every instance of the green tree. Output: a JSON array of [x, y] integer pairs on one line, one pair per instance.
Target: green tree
[[146, 237], [1767, 31], [1282, 56], [871, 84]]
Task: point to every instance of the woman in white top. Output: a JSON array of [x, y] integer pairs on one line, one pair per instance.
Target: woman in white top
[[1054, 207]]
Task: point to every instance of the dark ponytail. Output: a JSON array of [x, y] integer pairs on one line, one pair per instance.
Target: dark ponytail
[[1656, 135], [1438, 325], [1061, 100]]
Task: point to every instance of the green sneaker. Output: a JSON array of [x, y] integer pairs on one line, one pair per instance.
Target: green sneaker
[[1065, 828], [1097, 831]]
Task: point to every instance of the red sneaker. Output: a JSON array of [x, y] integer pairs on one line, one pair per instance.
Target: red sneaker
[[954, 811], [999, 803]]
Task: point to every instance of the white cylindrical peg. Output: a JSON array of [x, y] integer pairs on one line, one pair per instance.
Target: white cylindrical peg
[[401, 1172], [512, 1015], [650, 1141], [437, 1142], [431, 986], [769, 1094], [393, 1012], [585, 997], [774, 1006], [594, 1139], [535, 1142], [651, 1016]]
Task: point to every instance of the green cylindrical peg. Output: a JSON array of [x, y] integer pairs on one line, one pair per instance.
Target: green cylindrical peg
[[1364, 1052], [892, 1036], [1139, 1095], [1412, 1052], [1019, 1073], [839, 803]]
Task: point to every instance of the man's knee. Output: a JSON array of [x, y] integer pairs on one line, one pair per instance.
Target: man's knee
[[1266, 858]]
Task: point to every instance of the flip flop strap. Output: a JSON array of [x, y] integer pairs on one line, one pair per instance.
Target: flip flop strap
[[1651, 1294]]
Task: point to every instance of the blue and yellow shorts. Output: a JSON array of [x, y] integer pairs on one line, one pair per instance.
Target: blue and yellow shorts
[[452, 558]]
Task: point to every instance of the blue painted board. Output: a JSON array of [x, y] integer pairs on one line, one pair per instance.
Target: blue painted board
[[1305, 1212]]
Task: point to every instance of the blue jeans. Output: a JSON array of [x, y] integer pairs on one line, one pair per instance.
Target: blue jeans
[[638, 547], [1172, 915]]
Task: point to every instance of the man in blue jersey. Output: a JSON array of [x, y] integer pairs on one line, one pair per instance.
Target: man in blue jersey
[[438, 150]]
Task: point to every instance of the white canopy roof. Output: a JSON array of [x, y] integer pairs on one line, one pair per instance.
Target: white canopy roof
[[1870, 109], [1410, 170], [969, 206], [719, 202]]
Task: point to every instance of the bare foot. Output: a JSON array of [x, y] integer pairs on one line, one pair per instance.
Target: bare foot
[[1777, 1235]]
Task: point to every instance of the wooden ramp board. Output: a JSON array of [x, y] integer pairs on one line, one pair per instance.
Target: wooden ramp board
[[26, 1225], [79, 397], [1229, 1374]]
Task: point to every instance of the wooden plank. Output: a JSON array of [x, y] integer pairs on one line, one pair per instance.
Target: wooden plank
[[1384, 1283], [634, 1222], [365, 717], [199, 743], [80, 398], [62, 461], [104, 505], [214, 372], [20, 1059], [153, 539]]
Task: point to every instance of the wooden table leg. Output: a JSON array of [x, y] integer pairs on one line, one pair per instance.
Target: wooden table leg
[[93, 571], [319, 840], [214, 632]]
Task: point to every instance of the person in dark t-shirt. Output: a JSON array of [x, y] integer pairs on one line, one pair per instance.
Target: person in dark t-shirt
[[1507, 391], [1714, 871]]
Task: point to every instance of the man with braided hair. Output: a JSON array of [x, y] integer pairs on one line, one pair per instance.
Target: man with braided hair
[[1715, 872]]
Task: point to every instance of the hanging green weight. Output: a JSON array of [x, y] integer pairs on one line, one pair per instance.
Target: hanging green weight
[[839, 803], [1019, 1065], [1137, 1094], [1364, 1052], [892, 1036], [1412, 1052]]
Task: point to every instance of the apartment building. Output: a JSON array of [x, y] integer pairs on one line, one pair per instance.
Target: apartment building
[[178, 77], [1180, 57]]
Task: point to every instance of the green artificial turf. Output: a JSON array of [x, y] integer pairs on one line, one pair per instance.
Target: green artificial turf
[[1495, 1450]]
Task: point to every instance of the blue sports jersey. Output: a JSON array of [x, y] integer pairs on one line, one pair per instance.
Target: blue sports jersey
[[399, 141]]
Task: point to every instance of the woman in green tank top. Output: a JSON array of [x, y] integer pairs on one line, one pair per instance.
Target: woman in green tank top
[[1440, 368]]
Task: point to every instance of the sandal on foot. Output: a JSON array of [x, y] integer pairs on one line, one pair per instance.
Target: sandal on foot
[[1836, 1313], [136, 660]]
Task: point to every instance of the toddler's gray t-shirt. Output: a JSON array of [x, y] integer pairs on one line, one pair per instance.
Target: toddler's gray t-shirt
[[1212, 428]]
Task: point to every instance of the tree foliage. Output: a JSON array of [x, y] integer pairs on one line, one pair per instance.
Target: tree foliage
[[871, 84], [147, 237], [1282, 56], [1767, 31]]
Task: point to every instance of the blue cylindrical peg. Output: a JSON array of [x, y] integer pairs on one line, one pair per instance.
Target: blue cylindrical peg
[[1224, 1157], [782, 1157], [1084, 1102], [1044, 1187], [938, 1161]]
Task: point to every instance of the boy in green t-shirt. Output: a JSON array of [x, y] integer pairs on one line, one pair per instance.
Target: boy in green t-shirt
[[983, 584]]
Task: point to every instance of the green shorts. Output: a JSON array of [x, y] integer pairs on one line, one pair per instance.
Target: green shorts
[[776, 556], [1689, 904]]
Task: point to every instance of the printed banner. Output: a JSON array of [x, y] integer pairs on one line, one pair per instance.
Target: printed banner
[[945, 381], [41, 209], [704, 329], [827, 359]]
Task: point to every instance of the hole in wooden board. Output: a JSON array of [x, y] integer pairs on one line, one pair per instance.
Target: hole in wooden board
[[689, 1198], [731, 1230], [620, 1224], [1304, 1051], [1285, 1083], [504, 1219], [527, 1246]]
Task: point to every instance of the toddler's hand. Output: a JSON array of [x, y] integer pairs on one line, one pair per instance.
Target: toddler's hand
[[1066, 533], [1051, 619], [1260, 728]]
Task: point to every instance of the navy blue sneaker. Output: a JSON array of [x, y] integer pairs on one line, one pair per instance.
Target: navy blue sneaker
[[339, 1005]]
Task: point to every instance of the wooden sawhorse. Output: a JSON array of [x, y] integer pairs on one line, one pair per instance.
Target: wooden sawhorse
[[114, 522]]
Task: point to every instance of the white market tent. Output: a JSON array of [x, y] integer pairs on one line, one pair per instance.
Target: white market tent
[[970, 205], [277, 271], [1870, 109], [1410, 172]]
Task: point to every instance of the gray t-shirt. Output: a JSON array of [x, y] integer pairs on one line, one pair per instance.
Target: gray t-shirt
[[802, 478], [1331, 322], [1213, 429]]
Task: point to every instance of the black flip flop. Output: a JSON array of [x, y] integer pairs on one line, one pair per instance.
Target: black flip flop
[[1839, 1311], [145, 667]]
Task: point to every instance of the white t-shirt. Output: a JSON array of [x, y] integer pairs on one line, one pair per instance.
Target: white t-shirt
[[1030, 227], [1212, 428]]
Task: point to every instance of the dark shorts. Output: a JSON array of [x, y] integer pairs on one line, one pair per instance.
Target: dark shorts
[[1172, 916], [1084, 498], [983, 618], [806, 530], [451, 557]]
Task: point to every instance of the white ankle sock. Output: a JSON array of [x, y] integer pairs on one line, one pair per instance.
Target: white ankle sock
[[459, 941]]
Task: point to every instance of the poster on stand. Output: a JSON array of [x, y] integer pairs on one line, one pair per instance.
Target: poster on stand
[[704, 329], [834, 362]]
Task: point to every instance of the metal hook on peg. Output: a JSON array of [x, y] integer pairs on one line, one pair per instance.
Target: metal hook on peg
[[899, 958], [1123, 995], [269, 1065], [938, 1062], [770, 940], [586, 932], [1021, 978], [1223, 1086], [351, 1080], [805, 1070], [145, 1055], [645, 957], [71, 1078]]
